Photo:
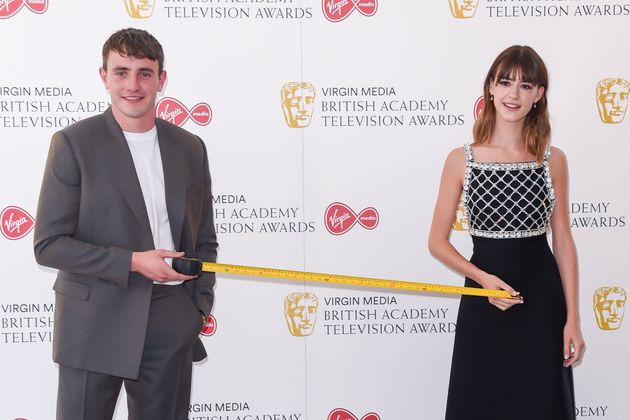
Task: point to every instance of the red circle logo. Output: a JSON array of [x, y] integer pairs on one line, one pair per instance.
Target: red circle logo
[[340, 218], [478, 108], [343, 414], [16, 222], [211, 326], [173, 111]]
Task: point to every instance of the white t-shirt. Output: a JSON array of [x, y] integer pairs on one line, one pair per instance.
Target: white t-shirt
[[145, 151]]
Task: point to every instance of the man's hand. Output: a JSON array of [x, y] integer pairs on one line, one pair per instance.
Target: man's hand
[[151, 265]]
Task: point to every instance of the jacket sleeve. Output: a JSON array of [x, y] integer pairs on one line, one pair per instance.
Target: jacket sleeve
[[206, 245], [57, 218]]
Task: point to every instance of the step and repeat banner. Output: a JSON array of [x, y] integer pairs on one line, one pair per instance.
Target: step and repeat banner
[[327, 123]]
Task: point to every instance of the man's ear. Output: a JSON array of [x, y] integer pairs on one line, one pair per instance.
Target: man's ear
[[103, 73], [162, 80]]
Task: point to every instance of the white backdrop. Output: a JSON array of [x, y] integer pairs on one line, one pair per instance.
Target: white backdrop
[[395, 84]]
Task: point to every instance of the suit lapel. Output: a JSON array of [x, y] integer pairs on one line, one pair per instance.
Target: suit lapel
[[174, 165], [117, 155]]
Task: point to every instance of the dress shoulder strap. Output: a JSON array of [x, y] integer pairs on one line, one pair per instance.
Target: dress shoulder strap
[[547, 153], [469, 155]]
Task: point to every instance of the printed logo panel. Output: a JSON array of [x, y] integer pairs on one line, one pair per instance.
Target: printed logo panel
[[612, 99], [9, 8], [211, 326], [480, 103], [298, 103], [343, 414], [461, 220], [175, 112], [16, 222], [338, 10], [300, 313], [609, 305], [340, 218], [139, 9], [463, 9]]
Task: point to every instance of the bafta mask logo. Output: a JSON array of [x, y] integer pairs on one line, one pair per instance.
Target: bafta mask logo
[[298, 103], [139, 9], [612, 99], [300, 312], [461, 221], [9, 8], [609, 305], [463, 9]]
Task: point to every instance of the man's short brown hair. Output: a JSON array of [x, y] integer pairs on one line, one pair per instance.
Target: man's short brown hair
[[136, 43]]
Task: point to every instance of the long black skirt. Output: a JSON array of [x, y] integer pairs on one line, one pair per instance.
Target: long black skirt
[[507, 365]]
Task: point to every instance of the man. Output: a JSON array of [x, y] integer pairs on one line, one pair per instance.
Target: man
[[122, 191]]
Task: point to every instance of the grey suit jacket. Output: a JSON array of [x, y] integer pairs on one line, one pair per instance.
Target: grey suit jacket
[[90, 218]]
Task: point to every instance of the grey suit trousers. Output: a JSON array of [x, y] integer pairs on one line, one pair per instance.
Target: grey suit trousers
[[162, 391]]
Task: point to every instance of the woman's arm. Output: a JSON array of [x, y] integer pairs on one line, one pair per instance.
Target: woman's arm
[[566, 256], [440, 246]]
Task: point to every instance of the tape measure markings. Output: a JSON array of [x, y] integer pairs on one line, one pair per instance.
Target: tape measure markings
[[352, 280]]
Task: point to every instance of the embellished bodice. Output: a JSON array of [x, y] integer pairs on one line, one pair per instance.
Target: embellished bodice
[[507, 200]]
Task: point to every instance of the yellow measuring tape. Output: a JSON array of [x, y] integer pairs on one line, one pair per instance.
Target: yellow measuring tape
[[333, 279]]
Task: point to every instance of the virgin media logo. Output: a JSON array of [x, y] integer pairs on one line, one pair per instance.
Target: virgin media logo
[[343, 414], [16, 223], [338, 10], [173, 111], [340, 218], [8, 8], [211, 326]]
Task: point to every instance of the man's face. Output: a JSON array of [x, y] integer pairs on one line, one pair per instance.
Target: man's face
[[133, 84], [610, 311], [463, 9], [302, 316], [613, 102], [298, 106]]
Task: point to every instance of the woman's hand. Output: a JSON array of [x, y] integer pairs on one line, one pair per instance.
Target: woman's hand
[[492, 282], [574, 345]]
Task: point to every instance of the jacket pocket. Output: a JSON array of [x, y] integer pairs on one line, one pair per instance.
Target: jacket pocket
[[69, 287]]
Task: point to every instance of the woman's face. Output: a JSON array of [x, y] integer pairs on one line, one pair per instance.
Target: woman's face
[[514, 98]]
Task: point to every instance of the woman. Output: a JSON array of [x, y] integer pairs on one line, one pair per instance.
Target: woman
[[512, 357]]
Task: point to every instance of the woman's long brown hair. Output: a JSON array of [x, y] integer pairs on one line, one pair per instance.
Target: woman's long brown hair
[[524, 62]]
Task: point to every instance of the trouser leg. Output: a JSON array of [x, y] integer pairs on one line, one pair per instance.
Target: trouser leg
[[162, 391], [85, 395]]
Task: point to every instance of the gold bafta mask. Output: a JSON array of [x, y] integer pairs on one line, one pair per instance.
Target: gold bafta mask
[[300, 312], [612, 99], [609, 306], [298, 102], [461, 221], [140, 9], [463, 9]]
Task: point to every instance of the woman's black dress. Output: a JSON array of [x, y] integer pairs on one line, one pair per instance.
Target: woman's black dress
[[507, 365]]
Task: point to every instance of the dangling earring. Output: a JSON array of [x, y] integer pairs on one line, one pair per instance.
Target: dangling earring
[[491, 98], [534, 105]]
